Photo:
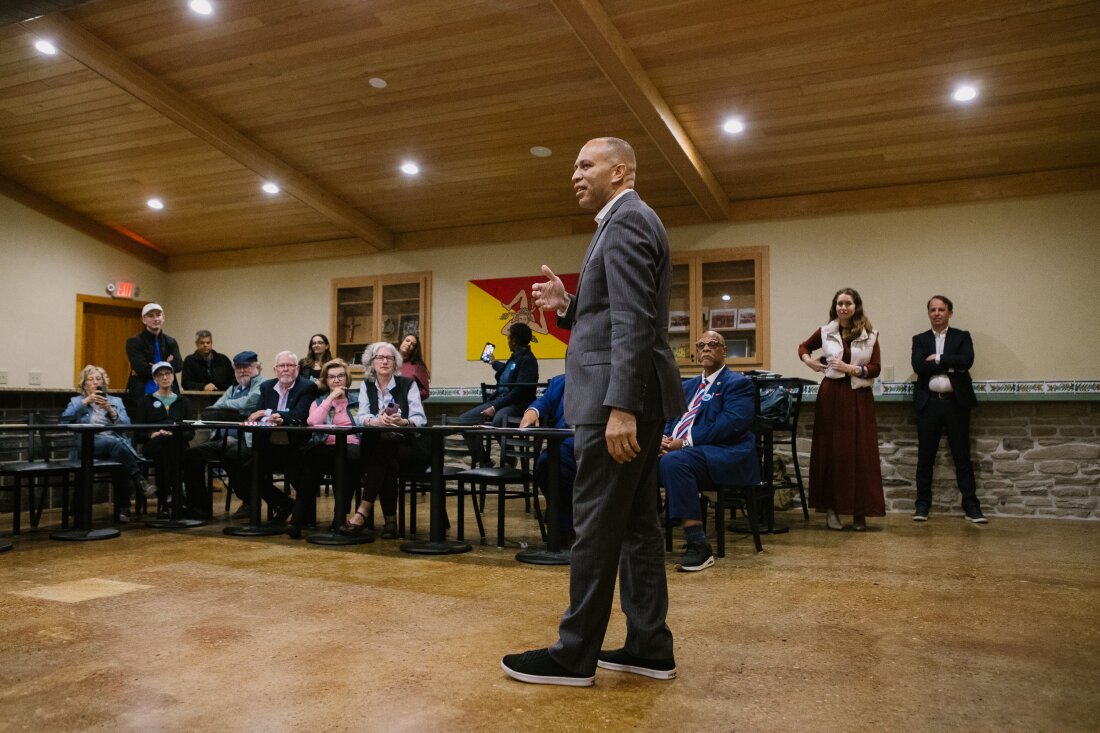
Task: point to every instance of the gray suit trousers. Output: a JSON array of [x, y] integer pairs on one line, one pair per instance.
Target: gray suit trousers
[[615, 516]]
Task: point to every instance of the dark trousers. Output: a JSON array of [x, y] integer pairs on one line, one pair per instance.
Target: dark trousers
[[684, 474], [476, 443], [319, 460], [382, 459], [944, 415], [195, 458], [274, 458], [568, 465], [162, 452], [615, 517]]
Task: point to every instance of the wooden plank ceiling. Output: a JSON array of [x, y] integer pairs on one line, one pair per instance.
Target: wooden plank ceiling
[[846, 105]]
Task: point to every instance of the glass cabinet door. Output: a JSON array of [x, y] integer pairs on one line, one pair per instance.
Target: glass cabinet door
[[400, 311], [728, 300], [354, 321], [680, 337]]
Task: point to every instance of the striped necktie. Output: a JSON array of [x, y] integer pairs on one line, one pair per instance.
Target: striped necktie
[[684, 426]]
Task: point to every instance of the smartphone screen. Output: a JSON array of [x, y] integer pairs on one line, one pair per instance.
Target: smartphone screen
[[487, 352]]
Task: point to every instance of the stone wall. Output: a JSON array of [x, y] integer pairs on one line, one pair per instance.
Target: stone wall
[[1038, 459]]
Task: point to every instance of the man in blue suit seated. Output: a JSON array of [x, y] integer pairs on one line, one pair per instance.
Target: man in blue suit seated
[[549, 411], [711, 444]]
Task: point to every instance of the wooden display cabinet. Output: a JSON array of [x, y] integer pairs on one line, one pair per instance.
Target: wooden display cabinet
[[380, 308]]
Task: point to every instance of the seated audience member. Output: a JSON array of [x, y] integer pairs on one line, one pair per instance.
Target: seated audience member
[[317, 356], [206, 369], [385, 400], [149, 347], [93, 406], [710, 445], [549, 411], [413, 364], [242, 398], [284, 400], [521, 368], [164, 407], [335, 405]]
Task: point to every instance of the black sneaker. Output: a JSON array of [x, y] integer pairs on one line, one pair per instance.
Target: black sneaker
[[539, 668], [974, 514], [697, 556], [620, 661], [920, 514]]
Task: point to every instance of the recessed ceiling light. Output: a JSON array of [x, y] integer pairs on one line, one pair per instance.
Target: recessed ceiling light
[[202, 7], [44, 46], [541, 151], [725, 297], [271, 188], [377, 83], [965, 93], [156, 204], [410, 169], [734, 126]]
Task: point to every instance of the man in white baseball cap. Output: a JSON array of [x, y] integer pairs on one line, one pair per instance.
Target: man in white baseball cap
[[147, 348]]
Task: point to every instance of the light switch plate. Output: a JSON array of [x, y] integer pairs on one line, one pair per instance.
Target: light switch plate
[[34, 378]]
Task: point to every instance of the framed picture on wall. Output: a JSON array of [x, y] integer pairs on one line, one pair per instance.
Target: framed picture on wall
[[409, 323], [678, 321], [746, 318], [737, 348], [723, 319]]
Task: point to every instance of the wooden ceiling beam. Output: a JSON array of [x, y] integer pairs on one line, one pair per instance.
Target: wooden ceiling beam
[[596, 32], [89, 50], [83, 224]]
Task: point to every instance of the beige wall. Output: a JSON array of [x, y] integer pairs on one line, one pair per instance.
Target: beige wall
[[45, 266], [1022, 274]]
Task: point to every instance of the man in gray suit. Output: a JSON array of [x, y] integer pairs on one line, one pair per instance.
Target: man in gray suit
[[623, 384]]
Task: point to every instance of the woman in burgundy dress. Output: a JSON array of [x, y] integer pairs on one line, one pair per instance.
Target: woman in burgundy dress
[[845, 477]]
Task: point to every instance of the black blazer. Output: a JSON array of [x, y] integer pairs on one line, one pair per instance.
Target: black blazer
[[298, 401], [141, 352], [955, 362]]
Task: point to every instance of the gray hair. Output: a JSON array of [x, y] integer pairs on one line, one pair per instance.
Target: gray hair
[[372, 351], [203, 334], [88, 371], [285, 353]]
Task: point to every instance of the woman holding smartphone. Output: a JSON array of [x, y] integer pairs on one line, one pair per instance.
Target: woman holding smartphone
[[93, 406], [385, 400]]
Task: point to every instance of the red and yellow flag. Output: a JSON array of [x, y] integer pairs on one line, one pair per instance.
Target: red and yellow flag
[[492, 306]]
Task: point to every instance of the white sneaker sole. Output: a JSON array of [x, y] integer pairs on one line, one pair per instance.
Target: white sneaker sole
[[696, 568], [657, 674], [920, 517], [979, 520], [535, 679]]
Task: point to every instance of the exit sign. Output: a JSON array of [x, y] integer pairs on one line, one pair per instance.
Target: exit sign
[[122, 289]]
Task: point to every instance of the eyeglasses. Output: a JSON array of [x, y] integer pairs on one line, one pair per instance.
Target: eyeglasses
[[338, 375], [383, 357], [711, 344], [286, 366]]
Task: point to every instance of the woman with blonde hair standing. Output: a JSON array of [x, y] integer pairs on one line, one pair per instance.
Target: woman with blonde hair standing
[[845, 477]]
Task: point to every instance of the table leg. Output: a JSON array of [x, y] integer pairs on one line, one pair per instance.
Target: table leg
[[438, 544], [254, 528], [176, 521], [82, 523], [339, 469], [553, 554]]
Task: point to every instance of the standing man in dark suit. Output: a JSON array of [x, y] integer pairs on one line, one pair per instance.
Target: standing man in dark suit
[[943, 397], [623, 385], [150, 346], [709, 445]]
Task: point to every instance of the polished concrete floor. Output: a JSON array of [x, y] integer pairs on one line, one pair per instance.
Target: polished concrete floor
[[908, 627]]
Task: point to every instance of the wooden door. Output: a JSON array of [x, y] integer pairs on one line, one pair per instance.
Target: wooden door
[[102, 327]]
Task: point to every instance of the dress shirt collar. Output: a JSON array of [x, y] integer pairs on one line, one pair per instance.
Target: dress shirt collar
[[607, 207]]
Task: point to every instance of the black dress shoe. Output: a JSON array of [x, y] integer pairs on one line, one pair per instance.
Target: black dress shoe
[[293, 531]]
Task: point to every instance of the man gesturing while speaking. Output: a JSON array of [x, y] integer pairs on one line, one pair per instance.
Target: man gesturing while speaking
[[623, 384]]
